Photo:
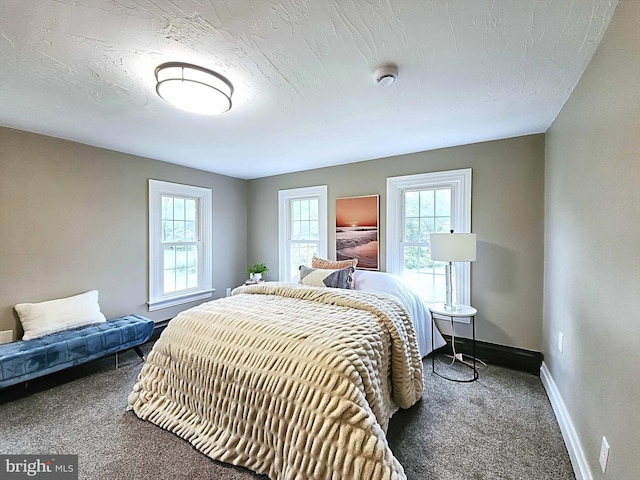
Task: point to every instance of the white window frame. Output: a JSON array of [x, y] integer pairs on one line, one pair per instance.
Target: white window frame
[[204, 290], [459, 181], [284, 223]]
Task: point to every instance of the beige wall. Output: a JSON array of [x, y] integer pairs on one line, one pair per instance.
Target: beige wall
[[507, 211], [592, 275], [74, 218]]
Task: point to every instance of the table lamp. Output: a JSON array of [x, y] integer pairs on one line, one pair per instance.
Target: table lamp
[[452, 247]]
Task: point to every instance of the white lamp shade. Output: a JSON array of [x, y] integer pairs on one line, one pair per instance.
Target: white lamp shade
[[453, 247]]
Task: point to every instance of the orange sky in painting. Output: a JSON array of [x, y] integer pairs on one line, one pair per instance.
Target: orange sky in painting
[[357, 211]]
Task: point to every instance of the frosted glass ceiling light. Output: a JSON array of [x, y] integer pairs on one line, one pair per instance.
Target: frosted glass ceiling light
[[193, 88]]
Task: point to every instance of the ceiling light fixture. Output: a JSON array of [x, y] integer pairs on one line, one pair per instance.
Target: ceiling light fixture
[[193, 89]]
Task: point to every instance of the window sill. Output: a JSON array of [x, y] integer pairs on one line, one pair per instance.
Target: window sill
[[180, 299]]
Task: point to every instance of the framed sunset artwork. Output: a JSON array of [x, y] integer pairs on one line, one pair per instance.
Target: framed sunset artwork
[[357, 230]]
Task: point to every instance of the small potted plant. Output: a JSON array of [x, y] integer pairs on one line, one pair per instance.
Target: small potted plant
[[256, 271]]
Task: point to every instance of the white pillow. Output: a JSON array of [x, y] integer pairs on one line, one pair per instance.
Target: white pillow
[[40, 319]]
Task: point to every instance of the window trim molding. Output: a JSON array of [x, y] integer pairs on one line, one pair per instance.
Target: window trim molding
[[284, 196], [460, 182], [157, 300]]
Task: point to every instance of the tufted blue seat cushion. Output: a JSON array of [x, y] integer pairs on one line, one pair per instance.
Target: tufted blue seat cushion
[[27, 359]]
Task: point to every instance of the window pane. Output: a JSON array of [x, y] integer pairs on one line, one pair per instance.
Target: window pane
[[304, 229], [178, 208], [191, 209], [415, 258], [181, 278], [442, 225], [301, 254], [169, 258], [418, 270], [443, 202], [412, 230], [439, 288], [181, 257], [313, 209], [192, 256], [412, 204], [303, 224], [411, 258], [192, 278], [169, 281], [294, 254], [313, 230], [178, 232], [419, 212], [190, 231], [167, 231], [427, 226], [180, 267], [439, 268], [295, 210], [295, 231], [429, 270], [167, 208], [183, 211], [426, 203]]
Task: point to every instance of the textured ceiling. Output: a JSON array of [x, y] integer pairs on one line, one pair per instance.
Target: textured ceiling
[[469, 71]]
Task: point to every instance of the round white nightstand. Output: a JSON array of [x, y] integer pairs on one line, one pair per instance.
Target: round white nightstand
[[459, 311]]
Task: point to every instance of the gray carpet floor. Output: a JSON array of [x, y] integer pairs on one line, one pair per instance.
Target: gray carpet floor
[[499, 427]]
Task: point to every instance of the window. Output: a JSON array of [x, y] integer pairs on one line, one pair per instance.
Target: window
[[417, 206], [179, 244], [302, 226]]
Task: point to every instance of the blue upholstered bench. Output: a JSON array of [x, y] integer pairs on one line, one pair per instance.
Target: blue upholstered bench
[[27, 359]]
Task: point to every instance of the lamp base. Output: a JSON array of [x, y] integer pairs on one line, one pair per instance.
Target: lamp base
[[451, 307], [448, 272]]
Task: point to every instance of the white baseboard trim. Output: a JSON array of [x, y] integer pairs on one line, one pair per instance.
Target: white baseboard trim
[[571, 440]]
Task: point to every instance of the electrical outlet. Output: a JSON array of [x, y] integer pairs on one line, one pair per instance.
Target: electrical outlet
[[228, 292], [561, 342], [604, 454], [6, 336]]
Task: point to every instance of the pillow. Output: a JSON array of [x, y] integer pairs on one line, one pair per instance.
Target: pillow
[[323, 277], [317, 262], [40, 319]]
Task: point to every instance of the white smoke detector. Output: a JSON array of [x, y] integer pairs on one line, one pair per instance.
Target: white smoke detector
[[386, 75]]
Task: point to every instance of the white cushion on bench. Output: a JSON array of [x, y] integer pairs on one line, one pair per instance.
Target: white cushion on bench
[[39, 319]]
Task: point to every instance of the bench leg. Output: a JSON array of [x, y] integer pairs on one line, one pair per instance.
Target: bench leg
[[136, 349], [140, 354]]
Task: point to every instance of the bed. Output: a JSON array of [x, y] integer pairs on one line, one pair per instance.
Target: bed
[[291, 381], [389, 284]]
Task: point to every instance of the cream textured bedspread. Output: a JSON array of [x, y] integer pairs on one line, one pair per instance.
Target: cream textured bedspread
[[291, 381]]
